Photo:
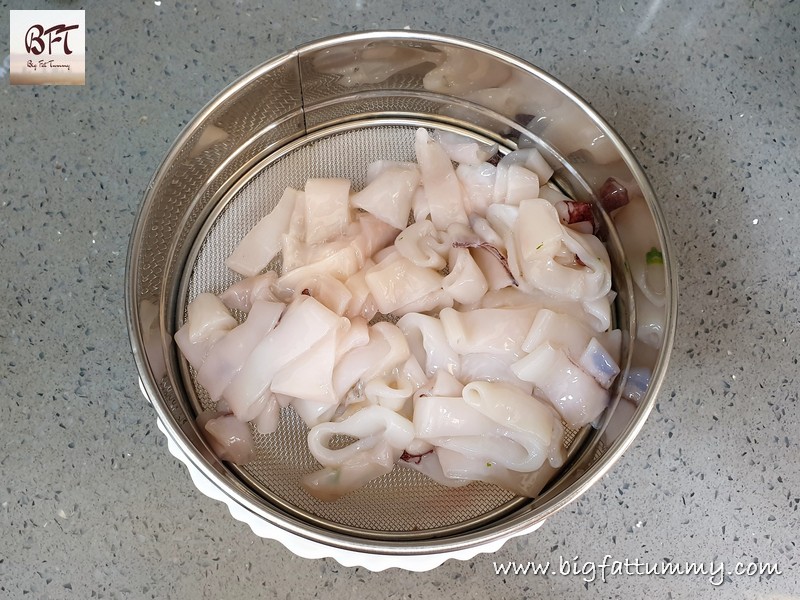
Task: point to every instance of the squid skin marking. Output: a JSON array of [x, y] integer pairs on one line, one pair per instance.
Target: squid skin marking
[[415, 458], [578, 212], [494, 252]]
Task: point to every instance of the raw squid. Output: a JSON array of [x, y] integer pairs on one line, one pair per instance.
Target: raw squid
[[381, 435], [304, 323], [242, 294], [464, 150], [229, 437], [327, 209], [225, 359], [575, 394], [501, 297], [263, 242], [491, 422], [388, 196], [442, 187]]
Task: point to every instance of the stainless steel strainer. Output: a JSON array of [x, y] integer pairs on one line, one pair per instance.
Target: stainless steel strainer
[[327, 109]]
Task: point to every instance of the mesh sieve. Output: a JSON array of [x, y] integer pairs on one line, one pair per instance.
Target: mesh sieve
[[403, 500]]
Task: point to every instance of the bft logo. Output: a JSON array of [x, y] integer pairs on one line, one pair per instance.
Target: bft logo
[[34, 38], [48, 47]]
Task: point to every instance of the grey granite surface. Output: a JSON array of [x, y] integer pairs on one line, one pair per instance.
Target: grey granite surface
[[93, 506]]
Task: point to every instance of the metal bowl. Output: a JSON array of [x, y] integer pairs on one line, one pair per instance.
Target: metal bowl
[[327, 109]]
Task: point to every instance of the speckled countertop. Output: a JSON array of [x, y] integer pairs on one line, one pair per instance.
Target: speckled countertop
[[92, 505]]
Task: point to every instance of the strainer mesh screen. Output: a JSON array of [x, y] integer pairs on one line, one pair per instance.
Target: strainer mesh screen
[[403, 500]]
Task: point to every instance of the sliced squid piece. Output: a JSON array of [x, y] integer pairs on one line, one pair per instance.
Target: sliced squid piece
[[353, 364], [366, 426], [263, 242], [386, 255], [598, 363], [478, 183], [388, 196], [331, 483], [229, 438], [328, 290], [464, 150], [428, 464], [242, 294], [558, 330], [445, 384], [297, 221], [529, 158], [341, 265], [539, 233], [206, 314], [375, 428], [361, 302], [432, 303], [465, 283], [195, 352], [386, 349], [304, 323], [396, 283], [310, 375], [413, 372], [372, 236], [442, 417], [509, 297], [375, 168], [577, 397], [293, 253], [497, 275], [417, 448], [355, 336], [493, 330], [591, 252], [268, 419], [503, 219], [397, 349], [552, 194], [208, 322], [455, 424], [228, 356], [428, 343], [313, 412], [312, 253], [522, 184], [484, 230], [597, 313], [457, 467], [327, 209], [442, 188], [420, 207], [519, 412], [389, 391], [482, 366], [420, 244]]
